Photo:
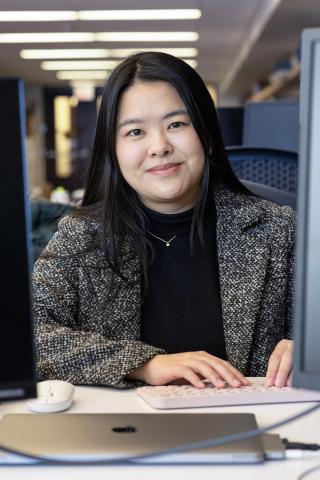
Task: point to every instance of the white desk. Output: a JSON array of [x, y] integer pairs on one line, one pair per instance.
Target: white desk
[[104, 400]]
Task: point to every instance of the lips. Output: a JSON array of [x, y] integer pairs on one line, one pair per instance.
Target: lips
[[164, 167]]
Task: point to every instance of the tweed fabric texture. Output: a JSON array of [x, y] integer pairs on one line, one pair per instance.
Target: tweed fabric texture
[[87, 318]]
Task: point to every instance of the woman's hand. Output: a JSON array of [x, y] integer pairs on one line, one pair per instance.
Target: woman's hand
[[279, 371], [191, 367]]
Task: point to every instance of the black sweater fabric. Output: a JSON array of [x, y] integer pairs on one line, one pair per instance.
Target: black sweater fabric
[[182, 307]]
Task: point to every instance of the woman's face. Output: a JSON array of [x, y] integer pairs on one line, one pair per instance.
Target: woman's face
[[159, 152]]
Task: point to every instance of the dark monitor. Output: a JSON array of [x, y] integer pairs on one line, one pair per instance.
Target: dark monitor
[[231, 124], [17, 369], [272, 125], [307, 310]]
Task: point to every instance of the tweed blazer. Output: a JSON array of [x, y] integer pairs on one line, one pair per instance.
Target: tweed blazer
[[88, 318]]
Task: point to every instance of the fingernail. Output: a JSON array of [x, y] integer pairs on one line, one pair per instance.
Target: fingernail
[[268, 382], [279, 382], [221, 384], [236, 383]]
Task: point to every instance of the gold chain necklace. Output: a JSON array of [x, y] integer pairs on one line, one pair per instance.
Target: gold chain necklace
[[167, 242]]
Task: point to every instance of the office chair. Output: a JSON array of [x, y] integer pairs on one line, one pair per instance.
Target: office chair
[[275, 195], [267, 166], [45, 216]]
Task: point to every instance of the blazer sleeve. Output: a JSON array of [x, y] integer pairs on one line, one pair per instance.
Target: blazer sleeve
[[65, 351], [291, 268]]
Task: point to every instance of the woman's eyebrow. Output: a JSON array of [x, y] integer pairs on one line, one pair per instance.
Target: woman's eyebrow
[[129, 121], [180, 111]]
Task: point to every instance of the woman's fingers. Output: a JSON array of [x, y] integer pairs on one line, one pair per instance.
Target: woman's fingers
[[193, 367], [207, 372], [217, 371], [189, 374], [289, 381], [284, 369], [226, 371], [273, 366], [280, 364]]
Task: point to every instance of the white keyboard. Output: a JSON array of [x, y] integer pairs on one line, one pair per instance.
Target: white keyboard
[[186, 396]]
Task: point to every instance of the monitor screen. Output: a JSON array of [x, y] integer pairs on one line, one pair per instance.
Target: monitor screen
[[307, 318], [17, 372], [272, 125], [231, 124]]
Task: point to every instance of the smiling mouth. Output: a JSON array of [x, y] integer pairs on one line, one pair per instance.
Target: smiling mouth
[[167, 167]]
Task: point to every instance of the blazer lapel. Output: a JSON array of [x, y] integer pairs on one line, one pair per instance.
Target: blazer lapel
[[243, 258]]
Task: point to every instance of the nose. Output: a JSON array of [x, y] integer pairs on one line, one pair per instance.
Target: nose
[[160, 146]]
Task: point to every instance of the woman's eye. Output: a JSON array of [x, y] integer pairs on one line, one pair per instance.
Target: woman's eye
[[135, 133], [177, 124]]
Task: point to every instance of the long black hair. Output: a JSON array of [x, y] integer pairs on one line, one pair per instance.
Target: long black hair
[[107, 195]]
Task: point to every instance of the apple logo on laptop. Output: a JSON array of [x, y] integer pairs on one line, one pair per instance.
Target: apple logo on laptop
[[127, 429]]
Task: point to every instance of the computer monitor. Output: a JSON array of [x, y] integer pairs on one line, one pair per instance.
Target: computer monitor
[[17, 368], [231, 124], [307, 307], [272, 125]]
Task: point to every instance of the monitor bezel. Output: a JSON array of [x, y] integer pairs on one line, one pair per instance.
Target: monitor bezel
[[19, 389], [301, 377]]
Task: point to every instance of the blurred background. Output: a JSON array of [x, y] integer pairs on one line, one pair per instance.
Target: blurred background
[[247, 51]]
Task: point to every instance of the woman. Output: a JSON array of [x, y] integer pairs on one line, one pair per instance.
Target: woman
[[171, 270]]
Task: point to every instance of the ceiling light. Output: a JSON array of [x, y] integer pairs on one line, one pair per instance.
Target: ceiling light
[[156, 14], [82, 75], [82, 83], [65, 53], [80, 65], [37, 16], [177, 52], [73, 15], [56, 37], [101, 52], [147, 36], [193, 63]]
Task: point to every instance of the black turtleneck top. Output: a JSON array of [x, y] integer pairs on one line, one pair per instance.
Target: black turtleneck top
[[182, 307]]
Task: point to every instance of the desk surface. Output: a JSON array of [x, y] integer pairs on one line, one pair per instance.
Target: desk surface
[[106, 400]]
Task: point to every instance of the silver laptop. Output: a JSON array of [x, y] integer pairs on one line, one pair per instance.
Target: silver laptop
[[79, 437]]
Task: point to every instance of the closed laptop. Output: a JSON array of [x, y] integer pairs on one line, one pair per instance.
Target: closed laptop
[[79, 437]]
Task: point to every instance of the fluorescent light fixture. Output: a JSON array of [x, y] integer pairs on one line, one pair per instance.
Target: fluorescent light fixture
[[80, 65], [102, 52], [84, 93], [84, 83], [56, 37], [147, 36], [156, 14], [37, 16], [65, 53], [193, 63], [82, 75], [73, 15], [177, 52]]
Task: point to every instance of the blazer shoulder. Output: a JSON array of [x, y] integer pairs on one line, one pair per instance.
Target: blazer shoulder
[[248, 209], [74, 234], [278, 214]]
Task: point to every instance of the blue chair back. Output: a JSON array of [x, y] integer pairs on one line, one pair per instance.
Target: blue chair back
[[276, 168], [280, 197]]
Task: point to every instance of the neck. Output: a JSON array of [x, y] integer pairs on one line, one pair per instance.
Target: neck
[[168, 209]]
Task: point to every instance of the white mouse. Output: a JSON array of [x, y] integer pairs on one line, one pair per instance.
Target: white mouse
[[53, 396]]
